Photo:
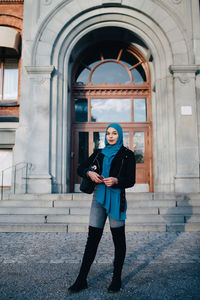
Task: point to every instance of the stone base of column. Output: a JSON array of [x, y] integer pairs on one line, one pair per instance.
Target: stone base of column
[[187, 184], [40, 184]]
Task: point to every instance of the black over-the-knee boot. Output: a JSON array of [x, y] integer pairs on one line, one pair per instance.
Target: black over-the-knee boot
[[119, 239], [94, 237]]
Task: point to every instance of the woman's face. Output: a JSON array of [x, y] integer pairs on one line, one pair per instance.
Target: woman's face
[[111, 136]]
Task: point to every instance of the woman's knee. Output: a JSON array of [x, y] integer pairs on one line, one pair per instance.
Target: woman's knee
[[116, 223]]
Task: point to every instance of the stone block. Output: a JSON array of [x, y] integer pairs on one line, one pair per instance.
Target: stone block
[[168, 24], [195, 227], [77, 204], [148, 7], [175, 227], [192, 219], [22, 219], [24, 203], [188, 210], [80, 211], [186, 185], [82, 196], [139, 196], [155, 219], [179, 47], [142, 211], [75, 219], [137, 4], [145, 228], [77, 228], [73, 8], [33, 228]]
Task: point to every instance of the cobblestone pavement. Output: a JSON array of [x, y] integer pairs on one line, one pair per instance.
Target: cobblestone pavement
[[157, 266]]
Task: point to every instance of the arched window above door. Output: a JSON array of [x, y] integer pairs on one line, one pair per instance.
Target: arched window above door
[[111, 64]]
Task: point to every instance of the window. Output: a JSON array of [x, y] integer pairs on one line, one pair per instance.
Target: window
[[111, 83], [9, 74], [110, 110], [5, 164], [114, 64]]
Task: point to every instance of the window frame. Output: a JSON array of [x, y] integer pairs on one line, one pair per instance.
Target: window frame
[[3, 58], [130, 49]]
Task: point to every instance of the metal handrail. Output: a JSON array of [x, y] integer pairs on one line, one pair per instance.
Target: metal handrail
[[27, 165]]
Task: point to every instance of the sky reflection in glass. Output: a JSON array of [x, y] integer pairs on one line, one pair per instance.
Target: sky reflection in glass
[[111, 110], [110, 73], [140, 112]]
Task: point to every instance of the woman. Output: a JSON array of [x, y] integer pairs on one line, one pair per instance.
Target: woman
[[113, 170]]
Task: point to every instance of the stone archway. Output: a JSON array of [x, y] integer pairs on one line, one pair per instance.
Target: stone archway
[[55, 46]]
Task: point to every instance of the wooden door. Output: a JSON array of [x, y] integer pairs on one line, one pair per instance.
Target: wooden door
[[95, 104]]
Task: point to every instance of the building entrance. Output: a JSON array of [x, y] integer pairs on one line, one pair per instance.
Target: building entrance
[[111, 83]]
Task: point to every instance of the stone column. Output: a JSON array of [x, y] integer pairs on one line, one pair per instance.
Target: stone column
[[39, 179], [187, 154]]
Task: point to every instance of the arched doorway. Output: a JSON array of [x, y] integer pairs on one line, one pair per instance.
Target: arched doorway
[[111, 83]]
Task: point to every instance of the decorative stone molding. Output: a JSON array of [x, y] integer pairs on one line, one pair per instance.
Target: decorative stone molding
[[177, 1], [184, 79], [104, 2], [184, 72], [183, 68], [39, 73]]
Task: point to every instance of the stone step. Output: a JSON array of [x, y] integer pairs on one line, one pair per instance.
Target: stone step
[[187, 210], [192, 219], [86, 203], [136, 211], [83, 203], [45, 197], [81, 196], [193, 202], [23, 219], [131, 203], [131, 227], [27, 203], [85, 210], [34, 211], [73, 219]]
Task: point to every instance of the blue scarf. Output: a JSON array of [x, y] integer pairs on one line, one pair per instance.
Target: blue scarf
[[110, 151], [108, 196]]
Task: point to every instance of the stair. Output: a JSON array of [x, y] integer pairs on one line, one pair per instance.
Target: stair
[[70, 212]]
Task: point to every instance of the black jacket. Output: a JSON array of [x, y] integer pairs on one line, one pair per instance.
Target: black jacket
[[122, 167]]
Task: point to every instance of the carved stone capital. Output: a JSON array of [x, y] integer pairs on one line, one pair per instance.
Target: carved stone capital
[[39, 74], [184, 72], [183, 68]]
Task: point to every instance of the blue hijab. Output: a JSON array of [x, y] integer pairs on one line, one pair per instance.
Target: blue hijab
[[109, 197], [110, 151]]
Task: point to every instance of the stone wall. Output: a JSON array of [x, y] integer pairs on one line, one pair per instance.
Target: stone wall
[[52, 31]]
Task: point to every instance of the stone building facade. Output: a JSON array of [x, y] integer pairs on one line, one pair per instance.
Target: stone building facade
[[86, 63]]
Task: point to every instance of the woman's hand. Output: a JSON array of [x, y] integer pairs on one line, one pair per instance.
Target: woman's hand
[[110, 181], [95, 177]]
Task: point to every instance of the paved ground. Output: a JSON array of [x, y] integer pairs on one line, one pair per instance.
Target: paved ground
[[158, 266]]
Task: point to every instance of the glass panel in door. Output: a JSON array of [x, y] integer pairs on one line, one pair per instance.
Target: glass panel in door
[[110, 110], [98, 140], [138, 142], [83, 149]]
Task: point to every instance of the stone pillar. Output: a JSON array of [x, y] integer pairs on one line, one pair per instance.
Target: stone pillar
[[39, 179], [187, 154]]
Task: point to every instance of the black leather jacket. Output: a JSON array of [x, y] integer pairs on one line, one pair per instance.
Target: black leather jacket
[[122, 167]]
